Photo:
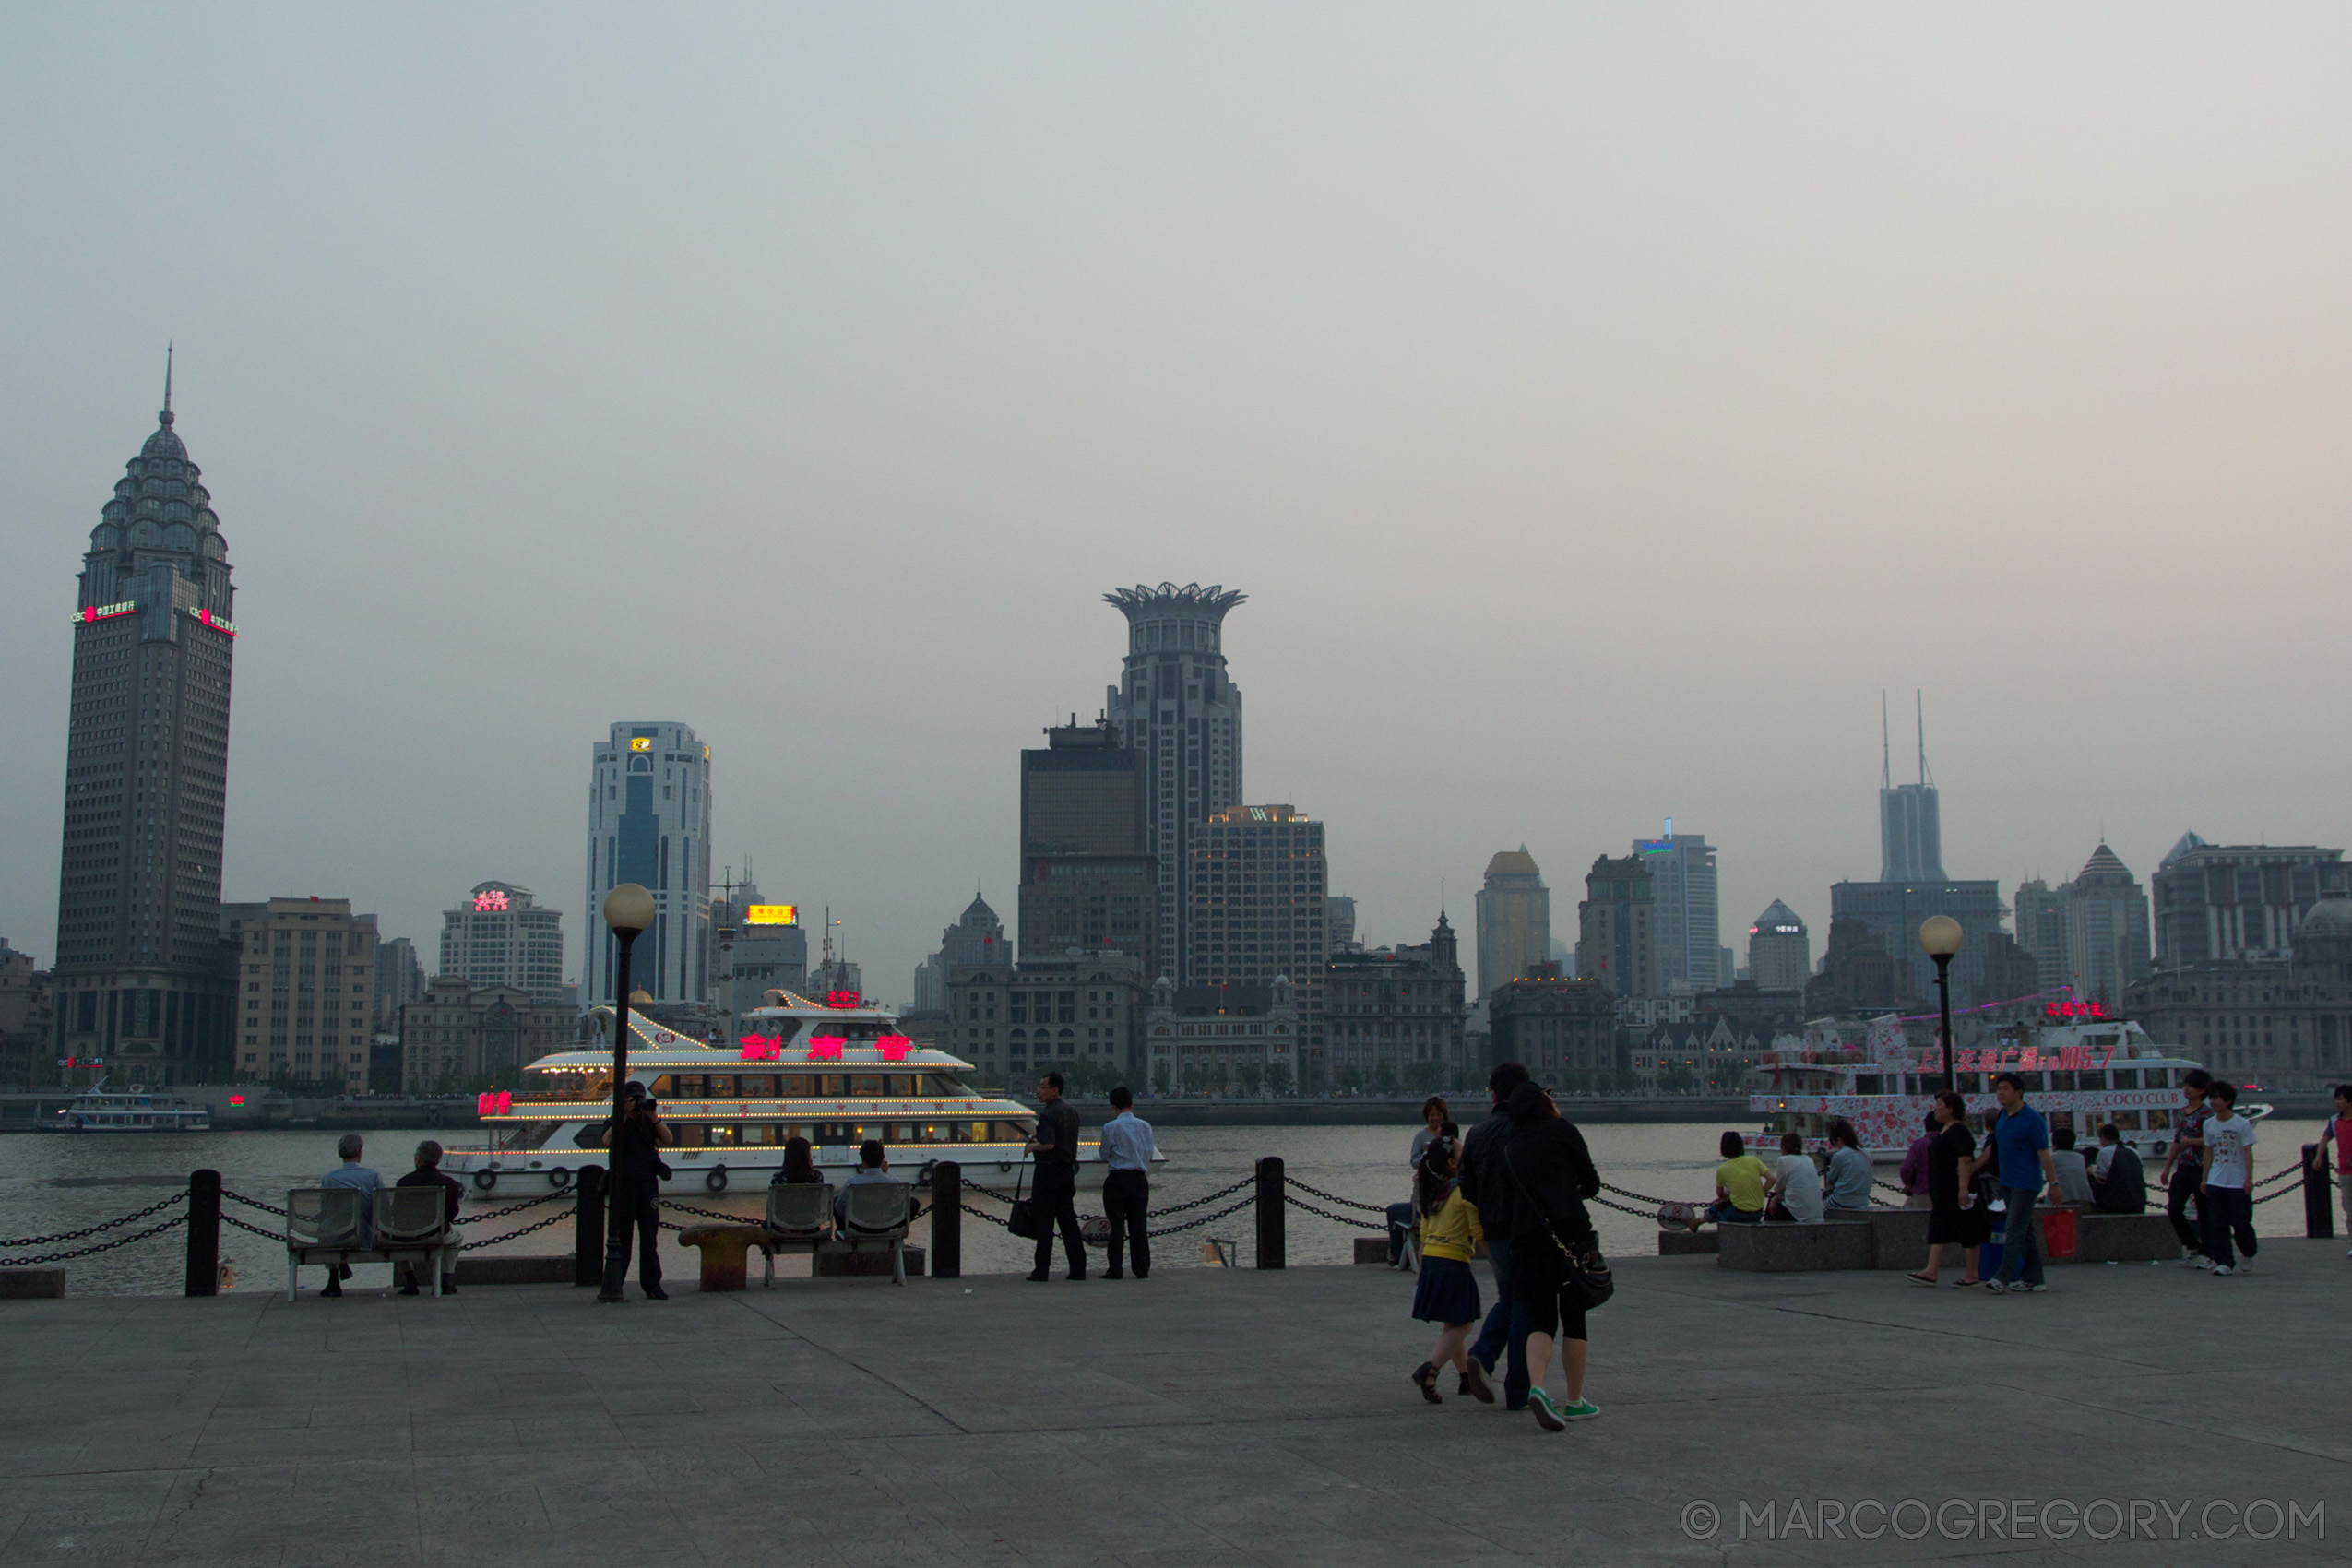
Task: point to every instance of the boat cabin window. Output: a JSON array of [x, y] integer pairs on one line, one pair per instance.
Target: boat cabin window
[[2064, 1083], [1868, 1083], [865, 1085], [2159, 1120], [525, 1135], [2125, 1121]]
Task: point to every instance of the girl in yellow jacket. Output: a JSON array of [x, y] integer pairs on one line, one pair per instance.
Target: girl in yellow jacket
[[1448, 1291]]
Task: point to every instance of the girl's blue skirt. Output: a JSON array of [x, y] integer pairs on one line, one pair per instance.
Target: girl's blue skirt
[[1448, 1292]]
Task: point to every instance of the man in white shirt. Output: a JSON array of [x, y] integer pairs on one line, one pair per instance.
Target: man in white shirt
[[2225, 1197], [1796, 1182], [1126, 1191]]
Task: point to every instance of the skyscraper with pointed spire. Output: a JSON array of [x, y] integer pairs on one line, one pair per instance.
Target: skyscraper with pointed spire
[[139, 979], [1910, 824]]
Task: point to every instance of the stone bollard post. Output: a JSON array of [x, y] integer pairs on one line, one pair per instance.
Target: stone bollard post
[[587, 1228], [1270, 1212], [2319, 1193], [947, 1220], [204, 1233]]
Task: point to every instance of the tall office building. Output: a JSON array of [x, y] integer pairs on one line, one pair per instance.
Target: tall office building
[[2223, 901], [2039, 912], [1780, 953], [306, 973], [1682, 905], [1258, 882], [649, 824], [1616, 932], [2106, 929], [1088, 880], [499, 936], [1514, 918], [1175, 705], [758, 947], [1893, 910], [975, 941], [139, 978], [400, 978], [1910, 824]]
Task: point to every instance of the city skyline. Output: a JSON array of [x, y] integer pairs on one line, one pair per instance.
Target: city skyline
[[1439, 370]]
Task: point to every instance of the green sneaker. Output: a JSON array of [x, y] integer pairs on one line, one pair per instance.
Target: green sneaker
[[1547, 1414], [1582, 1410]]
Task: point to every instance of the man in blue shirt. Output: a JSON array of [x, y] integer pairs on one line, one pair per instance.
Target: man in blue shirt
[[1126, 1191], [2020, 1152], [351, 1174]]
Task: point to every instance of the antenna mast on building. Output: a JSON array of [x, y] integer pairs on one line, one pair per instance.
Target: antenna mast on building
[[1885, 745], [1920, 698]]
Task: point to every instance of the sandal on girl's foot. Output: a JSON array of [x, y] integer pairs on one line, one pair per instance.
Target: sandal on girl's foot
[[1925, 1280], [1474, 1382], [1547, 1414], [1425, 1379]]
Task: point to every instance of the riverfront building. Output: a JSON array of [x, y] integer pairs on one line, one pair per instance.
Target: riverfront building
[[1395, 1018], [2284, 1025], [649, 824], [1089, 878], [1686, 924], [1014, 1022], [975, 941], [1175, 705], [457, 1035], [1780, 953], [2218, 902], [305, 973], [499, 936], [1259, 903], [1514, 918], [139, 980], [1223, 1040], [1616, 932], [1563, 1032]]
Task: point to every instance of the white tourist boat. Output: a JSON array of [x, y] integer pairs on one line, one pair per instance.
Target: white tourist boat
[[135, 1110], [2081, 1070], [836, 1073]]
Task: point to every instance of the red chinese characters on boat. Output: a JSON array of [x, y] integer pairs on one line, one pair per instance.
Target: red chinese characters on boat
[[894, 1048], [825, 1048], [760, 1047]]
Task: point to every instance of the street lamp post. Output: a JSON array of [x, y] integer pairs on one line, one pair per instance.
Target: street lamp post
[[628, 909], [1940, 937]]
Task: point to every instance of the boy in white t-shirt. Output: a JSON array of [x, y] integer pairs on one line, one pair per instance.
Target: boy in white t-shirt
[[1796, 1184], [2225, 1197]]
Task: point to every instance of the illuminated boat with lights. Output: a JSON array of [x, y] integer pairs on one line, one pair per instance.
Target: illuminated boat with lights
[[836, 1073], [2082, 1070], [96, 1109]]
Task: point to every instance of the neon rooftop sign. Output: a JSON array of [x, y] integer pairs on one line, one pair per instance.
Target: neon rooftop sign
[[105, 611], [490, 901]]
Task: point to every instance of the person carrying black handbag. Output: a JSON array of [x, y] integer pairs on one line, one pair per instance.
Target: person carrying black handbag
[[1055, 1151], [1556, 1270]]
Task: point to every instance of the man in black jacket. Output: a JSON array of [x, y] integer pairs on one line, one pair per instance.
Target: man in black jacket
[[1055, 1151], [1486, 1184]]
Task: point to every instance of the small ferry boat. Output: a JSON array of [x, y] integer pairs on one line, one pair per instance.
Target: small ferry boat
[[2081, 1072], [836, 1073], [135, 1110]]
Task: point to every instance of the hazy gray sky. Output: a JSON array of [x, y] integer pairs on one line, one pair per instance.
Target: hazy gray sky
[[1598, 405]]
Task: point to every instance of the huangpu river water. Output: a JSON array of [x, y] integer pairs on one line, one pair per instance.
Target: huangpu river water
[[58, 1181]]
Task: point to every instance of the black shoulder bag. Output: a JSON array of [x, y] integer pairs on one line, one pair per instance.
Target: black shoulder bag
[[1024, 1220], [1586, 1280]]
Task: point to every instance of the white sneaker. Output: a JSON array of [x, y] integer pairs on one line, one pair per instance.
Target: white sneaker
[[2199, 1260], [2245, 1265], [2225, 1268], [2204, 1262]]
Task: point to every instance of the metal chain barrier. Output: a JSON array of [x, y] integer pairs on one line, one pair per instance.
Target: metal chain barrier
[[1250, 1181], [505, 1209], [98, 1247], [996, 1220], [1320, 1213], [1210, 1218], [709, 1214], [229, 1196], [1334, 1198], [227, 1218], [103, 1224], [493, 1241]]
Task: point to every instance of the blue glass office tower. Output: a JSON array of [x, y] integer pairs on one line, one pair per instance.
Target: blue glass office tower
[[649, 824]]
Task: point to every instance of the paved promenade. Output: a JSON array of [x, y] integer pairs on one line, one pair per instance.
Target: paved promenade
[[1202, 1417]]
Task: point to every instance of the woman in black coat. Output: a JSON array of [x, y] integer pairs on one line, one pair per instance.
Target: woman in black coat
[[1552, 1174], [1952, 1219]]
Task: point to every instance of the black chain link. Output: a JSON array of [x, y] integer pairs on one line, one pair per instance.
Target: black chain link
[[227, 1218], [234, 1197], [136, 1215], [1336, 1198], [99, 1247], [1196, 1202], [1323, 1213], [504, 1209], [494, 1240], [1206, 1218], [996, 1220], [711, 1213]]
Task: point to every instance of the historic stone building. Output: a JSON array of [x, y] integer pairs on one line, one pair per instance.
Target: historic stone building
[[305, 978], [1012, 1022], [457, 1035], [1563, 1032], [975, 940], [1616, 930], [2216, 902], [139, 978], [2282, 1025], [1392, 1018], [1514, 919], [1223, 1040]]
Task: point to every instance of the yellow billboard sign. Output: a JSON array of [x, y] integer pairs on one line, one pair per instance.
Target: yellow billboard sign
[[772, 914]]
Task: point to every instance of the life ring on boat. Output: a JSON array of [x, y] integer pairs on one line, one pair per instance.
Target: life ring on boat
[[485, 1180], [560, 1177], [716, 1180]]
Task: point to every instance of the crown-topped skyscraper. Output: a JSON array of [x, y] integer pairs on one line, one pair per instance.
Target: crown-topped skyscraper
[[139, 978], [1174, 703]]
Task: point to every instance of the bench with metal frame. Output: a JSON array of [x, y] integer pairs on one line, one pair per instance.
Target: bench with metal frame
[[337, 1226]]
